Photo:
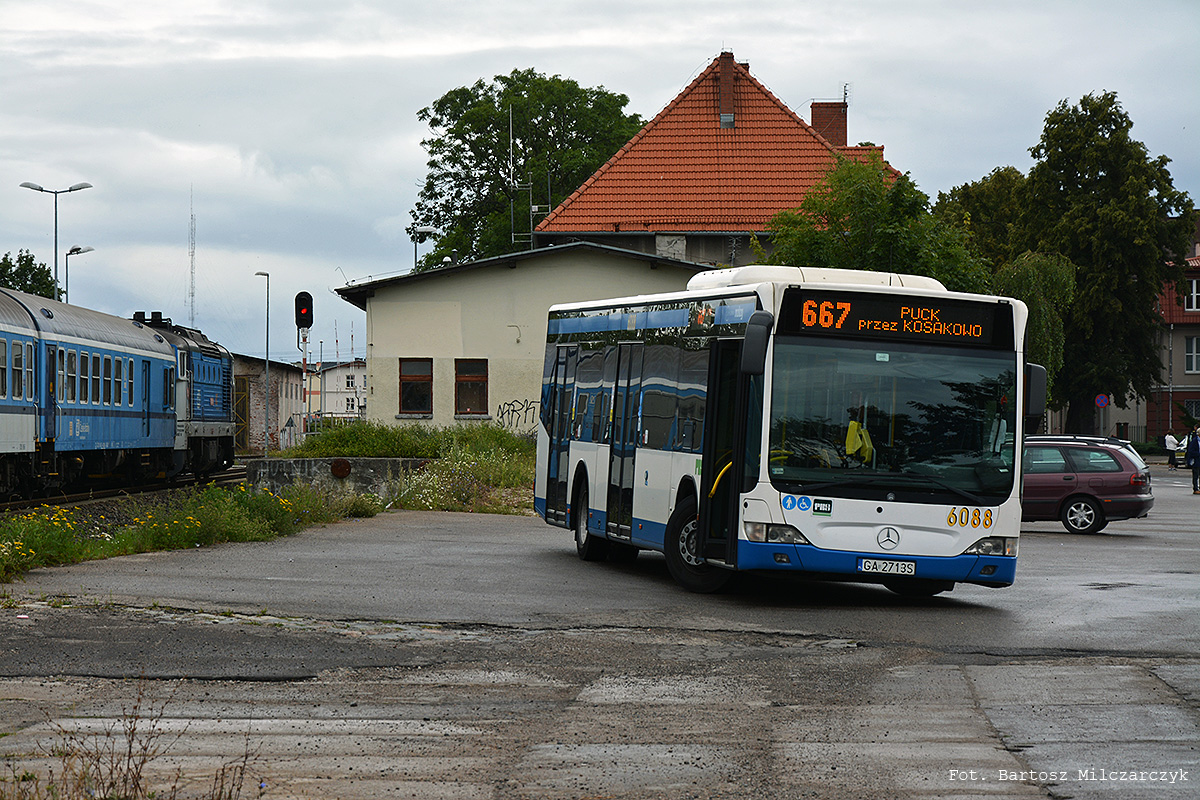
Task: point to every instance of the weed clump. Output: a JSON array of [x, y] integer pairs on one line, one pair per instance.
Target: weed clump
[[115, 762], [467, 467]]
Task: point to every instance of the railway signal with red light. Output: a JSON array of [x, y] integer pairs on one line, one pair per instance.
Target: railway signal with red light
[[304, 310]]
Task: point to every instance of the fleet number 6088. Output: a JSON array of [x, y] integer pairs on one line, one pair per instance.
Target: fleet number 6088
[[974, 517]]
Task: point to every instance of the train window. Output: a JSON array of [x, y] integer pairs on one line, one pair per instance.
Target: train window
[[61, 383], [30, 386], [129, 381], [118, 381], [168, 384], [84, 372], [3, 368], [96, 378], [108, 374], [18, 370], [72, 375]]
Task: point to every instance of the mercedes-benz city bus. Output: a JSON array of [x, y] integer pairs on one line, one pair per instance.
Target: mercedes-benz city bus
[[844, 425]]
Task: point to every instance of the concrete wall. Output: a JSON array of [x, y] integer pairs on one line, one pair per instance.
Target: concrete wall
[[349, 475]]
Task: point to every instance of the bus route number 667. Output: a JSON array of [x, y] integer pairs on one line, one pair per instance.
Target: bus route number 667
[[973, 517]]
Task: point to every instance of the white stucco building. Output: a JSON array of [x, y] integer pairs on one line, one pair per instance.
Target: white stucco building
[[466, 343]]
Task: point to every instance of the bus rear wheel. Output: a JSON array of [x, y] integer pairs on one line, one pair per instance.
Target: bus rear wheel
[[681, 547], [589, 547]]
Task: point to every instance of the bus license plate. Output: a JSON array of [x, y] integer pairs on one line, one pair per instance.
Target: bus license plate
[[887, 567]]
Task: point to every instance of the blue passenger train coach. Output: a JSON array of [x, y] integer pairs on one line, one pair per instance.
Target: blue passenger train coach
[[87, 396]]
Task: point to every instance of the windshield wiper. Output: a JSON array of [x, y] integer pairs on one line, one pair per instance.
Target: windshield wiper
[[909, 478], [974, 498]]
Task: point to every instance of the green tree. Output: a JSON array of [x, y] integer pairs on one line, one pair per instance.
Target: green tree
[[1046, 284], [1097, 198], [989, 210], [560, 134], [864, 216], [26, 275]]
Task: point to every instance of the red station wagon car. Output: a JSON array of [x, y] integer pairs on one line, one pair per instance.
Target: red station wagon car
[[1083, 481]]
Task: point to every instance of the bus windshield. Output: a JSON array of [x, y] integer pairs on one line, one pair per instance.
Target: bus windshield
[[893, 420]]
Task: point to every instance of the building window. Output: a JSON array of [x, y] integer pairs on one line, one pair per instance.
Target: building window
[[351, 405], [1191, 354], [1191, 300], [350, 381], [416, 386], [470, 386]]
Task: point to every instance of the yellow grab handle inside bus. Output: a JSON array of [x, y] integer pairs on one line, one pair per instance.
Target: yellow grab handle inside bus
[[720, 475]]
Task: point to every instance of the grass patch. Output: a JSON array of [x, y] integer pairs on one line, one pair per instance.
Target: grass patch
[[49, 536], [481, 468]]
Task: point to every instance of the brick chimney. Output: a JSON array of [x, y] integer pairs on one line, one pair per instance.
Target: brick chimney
[[829, 120], [725, 90]]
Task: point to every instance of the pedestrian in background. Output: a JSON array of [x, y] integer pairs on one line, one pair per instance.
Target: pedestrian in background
[[1191, 457], [1172, 444]]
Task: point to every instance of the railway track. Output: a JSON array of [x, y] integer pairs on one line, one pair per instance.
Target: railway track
[[227, 477]]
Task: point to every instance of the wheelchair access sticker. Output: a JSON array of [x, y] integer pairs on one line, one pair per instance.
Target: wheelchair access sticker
[[803, 503]]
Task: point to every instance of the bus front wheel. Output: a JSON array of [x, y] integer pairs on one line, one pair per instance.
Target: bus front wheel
[[681, 548]]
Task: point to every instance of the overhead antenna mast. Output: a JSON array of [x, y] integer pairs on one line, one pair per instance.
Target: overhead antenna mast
[[192, 258]]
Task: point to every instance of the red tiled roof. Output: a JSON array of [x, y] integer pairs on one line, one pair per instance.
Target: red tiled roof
[[684, 172]]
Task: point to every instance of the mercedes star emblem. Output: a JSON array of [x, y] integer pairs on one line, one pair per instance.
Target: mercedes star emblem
[[888, 538]]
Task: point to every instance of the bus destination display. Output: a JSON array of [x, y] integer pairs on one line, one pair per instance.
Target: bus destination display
[[910, 318]]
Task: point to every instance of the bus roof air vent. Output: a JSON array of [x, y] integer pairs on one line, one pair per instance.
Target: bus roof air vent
[[743, 276]]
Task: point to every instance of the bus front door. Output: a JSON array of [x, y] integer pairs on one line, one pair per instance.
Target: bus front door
[[732, 429], [722, 466], [562, 391], [625, 431]]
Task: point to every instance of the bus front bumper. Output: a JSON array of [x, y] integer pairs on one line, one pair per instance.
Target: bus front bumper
[[991, 571]]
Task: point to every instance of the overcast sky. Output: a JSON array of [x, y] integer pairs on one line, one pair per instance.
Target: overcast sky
[[290, 127]]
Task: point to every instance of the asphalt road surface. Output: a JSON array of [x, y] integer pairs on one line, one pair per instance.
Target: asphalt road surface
[[464, 656]]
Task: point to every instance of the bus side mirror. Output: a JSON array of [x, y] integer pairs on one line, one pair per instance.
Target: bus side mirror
[[1035, 390], [754, 346]]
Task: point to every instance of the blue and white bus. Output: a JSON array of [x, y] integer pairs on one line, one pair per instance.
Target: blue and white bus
[[846, 425]]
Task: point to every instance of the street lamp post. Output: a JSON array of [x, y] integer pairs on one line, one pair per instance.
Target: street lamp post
[[420, 230], [56, 193], [267, 371], [74, 251]]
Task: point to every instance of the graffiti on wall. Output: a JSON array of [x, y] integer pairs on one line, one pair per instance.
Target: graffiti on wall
[[517, 415]]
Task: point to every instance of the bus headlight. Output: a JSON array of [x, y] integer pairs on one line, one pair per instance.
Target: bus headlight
[[775, 534], [994, 546]]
